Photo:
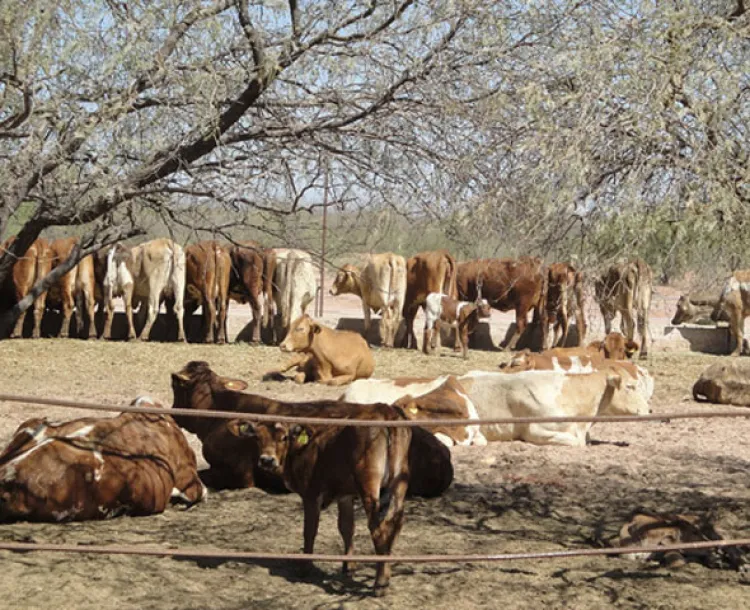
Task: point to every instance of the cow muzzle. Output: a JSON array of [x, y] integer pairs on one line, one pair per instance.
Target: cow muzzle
[[268, 462]]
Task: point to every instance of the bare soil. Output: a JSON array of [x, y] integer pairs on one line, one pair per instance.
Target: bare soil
[[507, 497]]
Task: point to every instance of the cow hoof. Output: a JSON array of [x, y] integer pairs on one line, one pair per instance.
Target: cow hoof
[[380, 590], [349, 566]]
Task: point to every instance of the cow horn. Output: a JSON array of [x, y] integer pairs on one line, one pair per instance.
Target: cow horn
[[182, 375]]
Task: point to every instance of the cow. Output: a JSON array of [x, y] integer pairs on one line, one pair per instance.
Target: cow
[[625, 287], [249, 284], [441, 309], [294, 286], [97, 468], [76, 288], [324, 464], [35, 264], [697, 310], [426, 272], [235, 464], [507, 284], [381, 284], [146, 274], [724, 382], [332, 357], [734, 302], [543, 393], [439, 398], [613, 347], [565, 296], [207, 269]]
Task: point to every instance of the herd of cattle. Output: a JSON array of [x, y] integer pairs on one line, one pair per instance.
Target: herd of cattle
[[135, 463]]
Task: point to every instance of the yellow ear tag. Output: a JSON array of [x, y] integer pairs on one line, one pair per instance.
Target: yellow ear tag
[[414, 410], [303, 439]]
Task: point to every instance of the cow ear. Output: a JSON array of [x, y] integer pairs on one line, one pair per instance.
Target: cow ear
[[300, 435], [614, 381], [316, 328], [236, 385], [631, 347], [241, 428]]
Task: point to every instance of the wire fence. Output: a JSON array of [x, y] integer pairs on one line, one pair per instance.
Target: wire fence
[[323, 421]]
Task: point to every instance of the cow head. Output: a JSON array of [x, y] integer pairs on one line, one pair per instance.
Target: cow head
[[684, 311], [483, 308], [271, 439], [192, 386], [346, 282], [615, 347], [301, 335], [625, 395]]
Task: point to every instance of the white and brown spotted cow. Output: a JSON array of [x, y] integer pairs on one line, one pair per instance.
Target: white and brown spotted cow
[[625, 287], [147, 274], [442, 310], [735, 302], [381, 284]]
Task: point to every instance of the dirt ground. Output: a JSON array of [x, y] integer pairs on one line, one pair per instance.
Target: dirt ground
[[507, 497]]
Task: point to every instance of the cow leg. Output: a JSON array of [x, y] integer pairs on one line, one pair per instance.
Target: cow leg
[[643, 332], [67, 312], [257, 317], [608, 315], [581, 325], [628, 324], [367, 314], [179, 312], [39, 314], [221, 321], [736, 325], [427, 345], [312, 519], [521, 323], [542, 435], [339, 379], [462, 335], [109, 309], [128, 298], [151, 313], [346, 529], [410, 339], [209, 320], [18, 328]]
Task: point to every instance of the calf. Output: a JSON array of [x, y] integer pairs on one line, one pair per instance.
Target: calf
[[325, 463], [697, 310], [381, 284], [565, 296], [196, 386], [333, 357], [96, 468], [734, 302], [461, 315]]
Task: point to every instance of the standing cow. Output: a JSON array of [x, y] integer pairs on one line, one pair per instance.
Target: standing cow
[[381, 284], [625, 287], [735, 302], [565, 296], [75, 288], [246, 283], [426, 272], [294, 287], [27, 270], [207, 266], [507, 284], [146, 274], [442, 310]]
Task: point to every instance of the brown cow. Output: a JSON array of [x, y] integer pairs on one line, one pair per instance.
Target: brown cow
[[326, 463], [426, 272], [249, 282], [207, 268], [381, 284], [96, 468], [27, 270], [440, 309], [565, 296], [734, 302], [626, 287], [507, 284], [697, 310], [76, 288], [333, 357], [234, 464]]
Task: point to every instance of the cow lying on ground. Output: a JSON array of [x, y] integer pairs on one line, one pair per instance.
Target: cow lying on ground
[[542, 393], [697, 310], [440, 398], [734, 302], [625, 287], [441, 309], [325, 463], [381, 284], [96, 468], [234, 464], [613, 347], [725, 382], [333, 357]]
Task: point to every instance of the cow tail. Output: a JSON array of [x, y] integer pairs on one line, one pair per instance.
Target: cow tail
[[449, 286], [393, 271], [269, 270]]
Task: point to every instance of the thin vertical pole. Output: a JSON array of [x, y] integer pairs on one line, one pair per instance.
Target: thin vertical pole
[[321, 290]]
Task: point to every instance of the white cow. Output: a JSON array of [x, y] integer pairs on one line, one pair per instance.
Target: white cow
[[381, 284], [294, 286], [531, 394], [147, 274]]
